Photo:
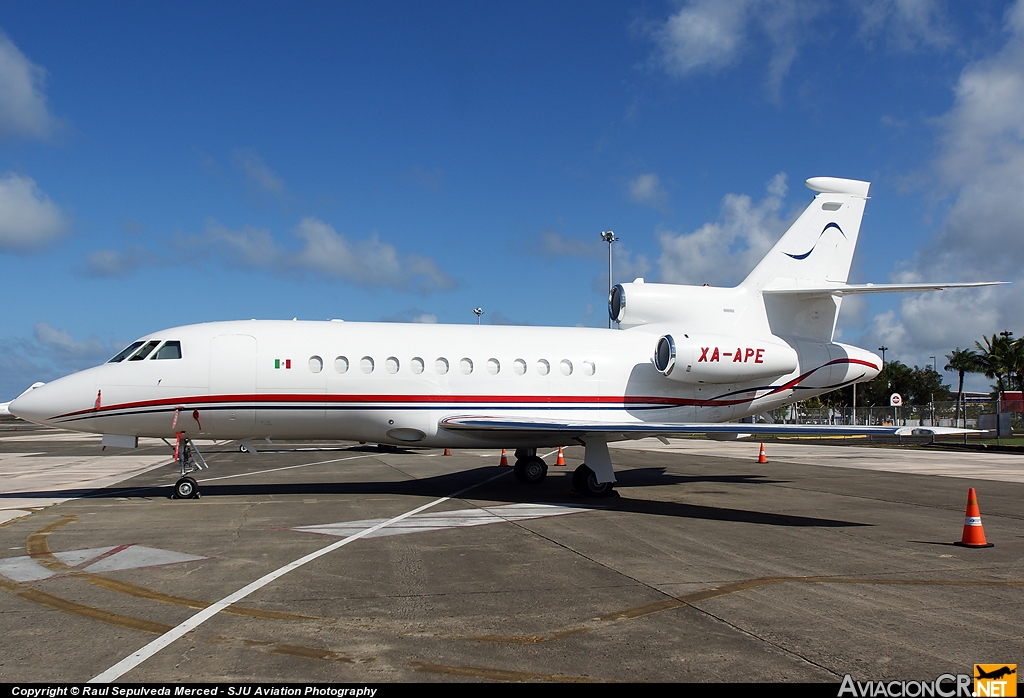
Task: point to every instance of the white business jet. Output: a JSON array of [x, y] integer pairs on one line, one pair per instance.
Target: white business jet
[[685, 359], [5, 407]]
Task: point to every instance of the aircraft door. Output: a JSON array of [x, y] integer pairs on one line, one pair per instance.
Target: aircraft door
[[232, 386]]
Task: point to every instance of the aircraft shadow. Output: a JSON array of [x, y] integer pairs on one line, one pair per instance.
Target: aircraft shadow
[[504, 491]]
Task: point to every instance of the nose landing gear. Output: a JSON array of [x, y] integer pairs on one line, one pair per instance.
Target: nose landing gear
[[190, 460]]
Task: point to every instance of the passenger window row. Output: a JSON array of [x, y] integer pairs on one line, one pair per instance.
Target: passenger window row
[[137, 351], [441, 366]]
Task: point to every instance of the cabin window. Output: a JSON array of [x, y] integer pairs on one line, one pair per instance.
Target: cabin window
[[441, 365], [366, 364], [341, 364], [589, 368], [565, 366], [125, 352], [145, 350], [391, 364], [170, 350], [316, 364], [493, 367], [416, 365], [519, 367], [466, 366], [543, 367]]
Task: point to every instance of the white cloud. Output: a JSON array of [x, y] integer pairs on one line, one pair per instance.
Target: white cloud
[[23, 109], [555, 246], [704, 35], [904, 25], [366, 262], [324, 251], [257, 173], [981, 166], [646, 190], [710, 35], [64, 346], [28, 218], [117, 263], [723, 252], [249, 247], [412, 315]]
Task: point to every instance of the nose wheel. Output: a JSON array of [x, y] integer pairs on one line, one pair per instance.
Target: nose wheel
[[190, 460], [186, 488]]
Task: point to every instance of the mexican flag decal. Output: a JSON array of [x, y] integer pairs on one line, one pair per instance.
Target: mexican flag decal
[[282, 363]]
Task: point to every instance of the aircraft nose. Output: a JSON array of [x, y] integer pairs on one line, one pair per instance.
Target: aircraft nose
[[44, 404]]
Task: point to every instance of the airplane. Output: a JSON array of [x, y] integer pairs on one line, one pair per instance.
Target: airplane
[[683, 360], [995, 674], [5, 407]]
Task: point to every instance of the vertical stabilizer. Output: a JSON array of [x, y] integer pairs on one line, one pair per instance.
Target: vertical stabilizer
[[818, 248]]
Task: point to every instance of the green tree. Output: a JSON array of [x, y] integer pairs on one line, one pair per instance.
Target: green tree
[[996, 359], [962, 361]]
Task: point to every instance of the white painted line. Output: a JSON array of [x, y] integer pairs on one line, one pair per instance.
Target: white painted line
[[287, 467], [136, 556], [129, 557], [136, 658], [440, 521]]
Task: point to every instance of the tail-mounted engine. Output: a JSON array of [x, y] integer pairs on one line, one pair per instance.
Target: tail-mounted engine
[[721, 358]]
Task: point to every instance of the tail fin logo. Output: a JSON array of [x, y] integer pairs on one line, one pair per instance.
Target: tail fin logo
[[807, 254]]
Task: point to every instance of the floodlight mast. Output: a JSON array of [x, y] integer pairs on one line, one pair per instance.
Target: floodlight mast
[[609, 237], [478, 312]]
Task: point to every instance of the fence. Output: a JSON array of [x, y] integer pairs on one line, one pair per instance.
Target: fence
[[942, 414]]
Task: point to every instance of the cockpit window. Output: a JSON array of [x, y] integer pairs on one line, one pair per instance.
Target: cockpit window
[[125, 352], [145, 350], [170, 350]]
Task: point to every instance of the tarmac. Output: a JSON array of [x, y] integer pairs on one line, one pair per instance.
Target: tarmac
[[390, 565]]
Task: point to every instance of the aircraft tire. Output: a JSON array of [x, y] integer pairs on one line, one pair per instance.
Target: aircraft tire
[[531, 470], [584, 481], [186, 488]]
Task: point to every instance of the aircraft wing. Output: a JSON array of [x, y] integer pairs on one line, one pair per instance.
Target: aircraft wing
[[503, 426], [853, 289]]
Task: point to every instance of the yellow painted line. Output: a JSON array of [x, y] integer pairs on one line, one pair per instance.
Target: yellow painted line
[[495, 674], [57, 603], [674, 602]]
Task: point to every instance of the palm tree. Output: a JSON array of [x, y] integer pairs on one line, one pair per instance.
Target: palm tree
[[962, 361], [995, 360]]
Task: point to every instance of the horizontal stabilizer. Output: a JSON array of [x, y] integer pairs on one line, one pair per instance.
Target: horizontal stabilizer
[[854, 289], [500, 427]]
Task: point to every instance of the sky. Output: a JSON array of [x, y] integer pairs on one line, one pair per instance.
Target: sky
[[166, 164]]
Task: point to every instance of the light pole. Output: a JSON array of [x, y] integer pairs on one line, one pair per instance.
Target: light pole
[[883, 349], [609, 237], [935, 370], [478, 312]]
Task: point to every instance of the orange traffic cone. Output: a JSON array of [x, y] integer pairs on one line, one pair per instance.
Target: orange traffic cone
[[761, 458], [561, 458], [974, 534], [504, 459], [447, 452]]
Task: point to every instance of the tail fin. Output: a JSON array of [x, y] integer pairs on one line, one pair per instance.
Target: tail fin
[[818, 248]]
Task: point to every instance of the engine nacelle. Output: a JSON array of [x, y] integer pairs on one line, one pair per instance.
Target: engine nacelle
[[636, 304], [712, 358]]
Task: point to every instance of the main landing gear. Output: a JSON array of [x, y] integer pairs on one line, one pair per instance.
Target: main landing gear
[[190, 460], [530, 469], [584, 481]]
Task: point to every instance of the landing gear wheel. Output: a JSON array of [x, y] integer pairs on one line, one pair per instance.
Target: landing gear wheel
[[531, 470], [584, 481], [186, 488]]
